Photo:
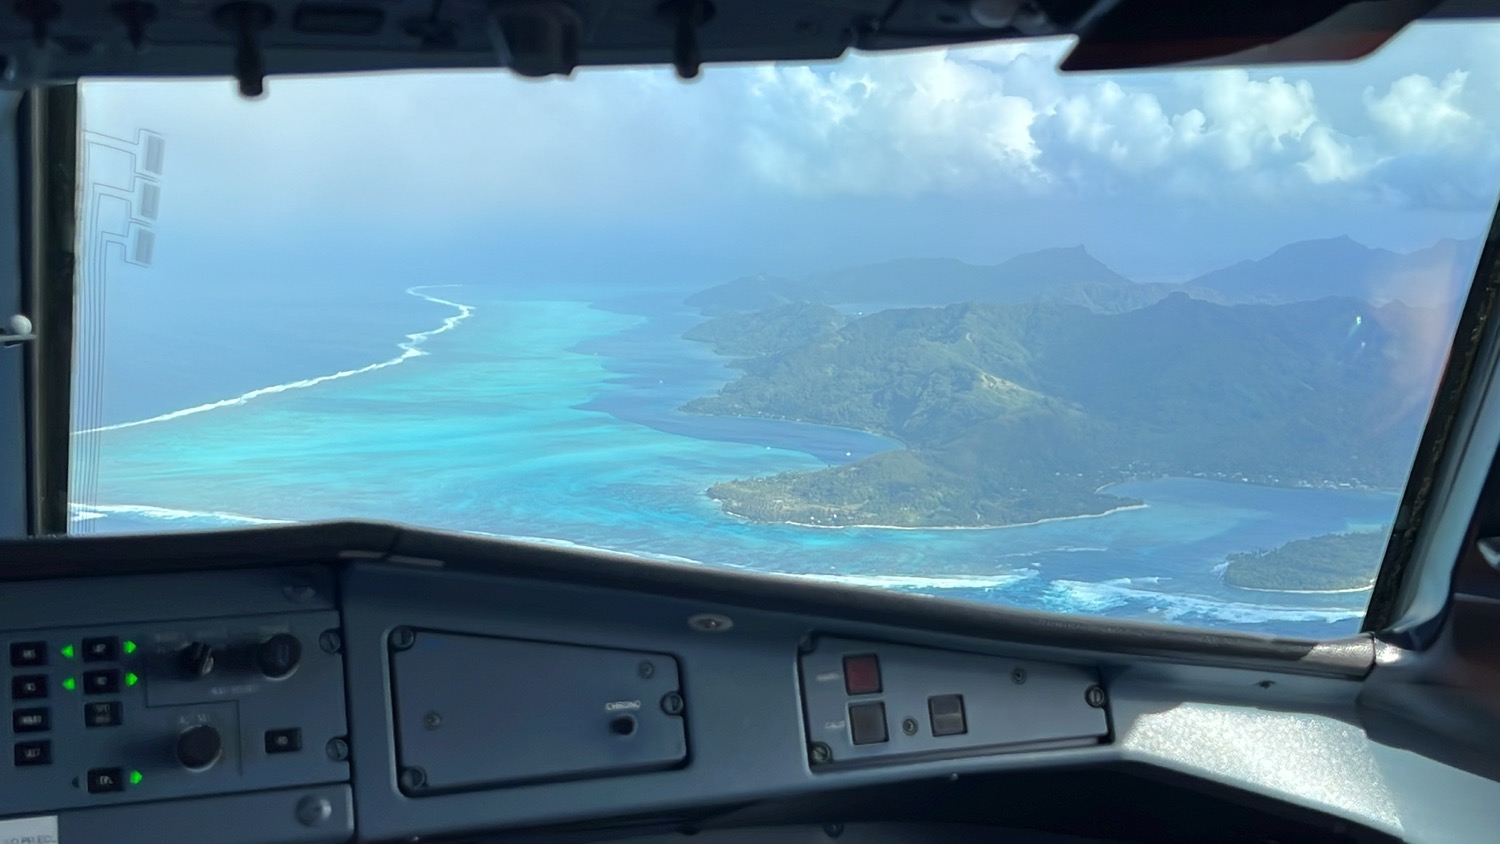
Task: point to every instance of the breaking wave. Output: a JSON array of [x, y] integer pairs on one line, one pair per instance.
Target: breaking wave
[[410, 348]]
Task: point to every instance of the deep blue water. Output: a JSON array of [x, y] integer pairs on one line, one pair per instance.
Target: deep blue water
[[556, 419]]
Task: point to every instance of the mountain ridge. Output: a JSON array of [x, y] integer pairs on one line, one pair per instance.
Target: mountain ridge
[[1432, 276]]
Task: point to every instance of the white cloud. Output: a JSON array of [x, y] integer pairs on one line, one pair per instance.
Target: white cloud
[[1130, 130], [904, 124], [1331, 159], [1247, 118], [977, 120], [1420, 114], [1266, 134]]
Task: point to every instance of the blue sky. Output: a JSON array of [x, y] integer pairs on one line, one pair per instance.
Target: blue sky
[[976, 153]]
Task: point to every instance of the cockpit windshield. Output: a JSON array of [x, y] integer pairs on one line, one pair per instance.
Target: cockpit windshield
[[1155, 346]]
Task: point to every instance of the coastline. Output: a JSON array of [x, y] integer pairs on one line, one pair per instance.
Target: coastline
[[1348, 591], [411, 347], [1047, 520]]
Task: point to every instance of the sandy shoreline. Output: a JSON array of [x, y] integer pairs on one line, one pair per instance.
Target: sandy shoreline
[[1108, 512]]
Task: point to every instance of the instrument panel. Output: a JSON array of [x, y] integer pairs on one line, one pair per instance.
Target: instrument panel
[[331, 695]]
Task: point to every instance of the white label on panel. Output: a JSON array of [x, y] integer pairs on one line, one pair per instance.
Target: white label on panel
[[41, 829]]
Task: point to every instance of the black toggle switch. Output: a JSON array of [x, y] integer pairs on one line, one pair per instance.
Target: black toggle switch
[[196, 659]]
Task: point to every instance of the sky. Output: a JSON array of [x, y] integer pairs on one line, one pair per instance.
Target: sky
[[977, 153]]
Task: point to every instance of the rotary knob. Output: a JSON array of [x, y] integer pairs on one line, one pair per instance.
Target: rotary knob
[[278, 656], [199, 747]]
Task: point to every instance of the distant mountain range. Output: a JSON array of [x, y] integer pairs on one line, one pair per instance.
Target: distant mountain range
[[1069, 276], [1314, 269], [1051, 376], [1304, 271]]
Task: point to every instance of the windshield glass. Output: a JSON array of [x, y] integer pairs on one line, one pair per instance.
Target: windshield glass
[[1155, 346]]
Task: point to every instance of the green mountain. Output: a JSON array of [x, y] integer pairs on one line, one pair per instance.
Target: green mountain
[[1068, 276], [776, 329], [1052, 401], [1331, 561]]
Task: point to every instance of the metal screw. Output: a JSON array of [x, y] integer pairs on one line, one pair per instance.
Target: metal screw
[[331, 641], [413, 779], [337, 749], [646, 670], [432, 720], [909, 726], [672, 703], [403, 638], [313, 810], [1095, 697], [1019, 675], [820, 753]]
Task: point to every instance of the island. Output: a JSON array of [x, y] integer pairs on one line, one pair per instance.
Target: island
[[1335, 562], [1012, 413]]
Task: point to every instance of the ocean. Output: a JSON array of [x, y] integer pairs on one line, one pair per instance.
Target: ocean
[[552, 416]]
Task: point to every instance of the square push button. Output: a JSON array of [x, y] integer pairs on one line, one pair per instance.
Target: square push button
[[288, 740], [947, 713], [28, 687], [27, 654], [31, 720], [862, 674], [33, 753], [104, 713], [867, 723], [106, 682], [104, 780], [101, 649]]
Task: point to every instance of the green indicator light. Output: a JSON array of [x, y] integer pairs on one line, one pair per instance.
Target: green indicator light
[[69, 683], [129, 646], [131, 679], [67, 651], [136, 777]]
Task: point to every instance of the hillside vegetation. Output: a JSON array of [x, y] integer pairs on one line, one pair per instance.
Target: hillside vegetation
[[1332, 561], [1017, 412]]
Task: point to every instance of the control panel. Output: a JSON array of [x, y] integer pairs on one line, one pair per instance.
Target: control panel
[[129, 712], [479, 711], [866, 702]]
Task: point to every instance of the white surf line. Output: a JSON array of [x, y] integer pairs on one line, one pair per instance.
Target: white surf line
[[409, 349], [87, 512]]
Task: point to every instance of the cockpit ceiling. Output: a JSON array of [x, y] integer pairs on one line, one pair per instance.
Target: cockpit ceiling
[[43, 41]]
